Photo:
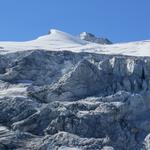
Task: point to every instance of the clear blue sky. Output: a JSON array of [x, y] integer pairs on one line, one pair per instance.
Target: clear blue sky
[[119, 20]]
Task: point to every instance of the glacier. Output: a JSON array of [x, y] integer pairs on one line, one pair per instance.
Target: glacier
[[65, 92]]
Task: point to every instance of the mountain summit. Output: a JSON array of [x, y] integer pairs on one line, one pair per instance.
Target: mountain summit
[[57, 36]]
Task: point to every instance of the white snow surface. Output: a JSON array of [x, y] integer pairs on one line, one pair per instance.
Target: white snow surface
[[68, 148], [60, 41], [14, 91]]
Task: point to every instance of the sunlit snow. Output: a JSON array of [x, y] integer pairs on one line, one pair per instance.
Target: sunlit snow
[[60, 41]]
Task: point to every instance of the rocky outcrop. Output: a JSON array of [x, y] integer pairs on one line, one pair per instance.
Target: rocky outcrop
[[92, 38]]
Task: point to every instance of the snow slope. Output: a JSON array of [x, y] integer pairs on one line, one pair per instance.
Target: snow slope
[[59, 41]]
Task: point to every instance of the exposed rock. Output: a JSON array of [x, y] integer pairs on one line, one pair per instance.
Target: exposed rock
[[92, 38]]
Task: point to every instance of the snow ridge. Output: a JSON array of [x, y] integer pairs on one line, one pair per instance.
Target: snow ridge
[[59, 41]]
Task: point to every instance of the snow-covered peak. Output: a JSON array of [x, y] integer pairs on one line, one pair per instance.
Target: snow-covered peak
[[59, 37], [55, 31]]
